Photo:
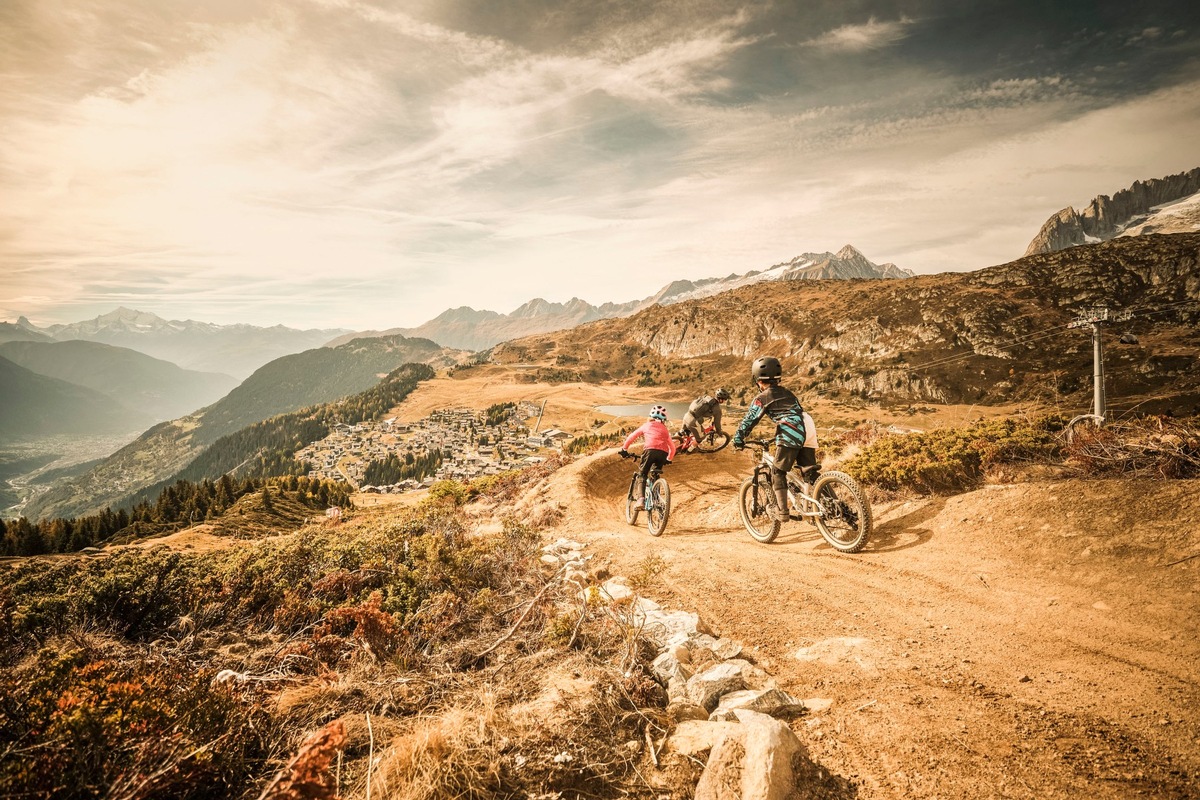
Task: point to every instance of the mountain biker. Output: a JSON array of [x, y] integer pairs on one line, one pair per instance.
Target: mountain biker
[[658, 447], [785, 410], [703, 408]]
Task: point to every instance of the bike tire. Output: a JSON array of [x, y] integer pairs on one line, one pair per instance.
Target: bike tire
[[713, 442], [760, 526], [632, 507], [660, 508], [846, 525]]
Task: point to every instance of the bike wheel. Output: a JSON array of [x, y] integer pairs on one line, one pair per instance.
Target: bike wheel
[[846, 523], [754, 503], [660, 507], [632, 506], [712, 442]]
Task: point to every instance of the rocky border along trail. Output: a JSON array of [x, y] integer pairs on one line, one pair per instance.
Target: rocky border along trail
[[1025, 640]]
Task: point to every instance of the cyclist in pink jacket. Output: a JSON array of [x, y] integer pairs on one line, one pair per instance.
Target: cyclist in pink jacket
[[658, 447]]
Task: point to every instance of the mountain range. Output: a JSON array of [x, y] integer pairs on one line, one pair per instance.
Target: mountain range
[[1161, 205], [235, 350], [468, 329]]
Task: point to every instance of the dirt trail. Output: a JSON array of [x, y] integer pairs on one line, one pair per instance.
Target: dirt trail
[[1021, 641]]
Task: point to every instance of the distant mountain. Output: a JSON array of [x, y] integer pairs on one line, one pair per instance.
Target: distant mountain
[[847, 264], [316, 376], [235, 350], [20, 333], [33, 405], [1161, 205], [468, 329], [159, 389]]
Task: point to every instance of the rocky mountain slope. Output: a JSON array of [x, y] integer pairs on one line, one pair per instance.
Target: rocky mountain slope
[[316, 376], [33, 405], [236, 350], [157, 388], [1162, 205], [991, 336], [469, 329]]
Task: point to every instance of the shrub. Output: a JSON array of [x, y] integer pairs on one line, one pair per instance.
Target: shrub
[[950, 460]]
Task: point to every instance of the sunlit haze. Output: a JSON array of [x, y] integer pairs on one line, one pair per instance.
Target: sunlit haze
[[337, 163]]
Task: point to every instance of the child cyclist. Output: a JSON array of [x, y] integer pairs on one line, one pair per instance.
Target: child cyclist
[[658, 447], [784, 409]]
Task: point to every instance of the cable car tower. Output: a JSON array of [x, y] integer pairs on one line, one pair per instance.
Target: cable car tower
[[1097, 317]]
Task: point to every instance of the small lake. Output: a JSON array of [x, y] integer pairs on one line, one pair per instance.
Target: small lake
[[674, 410]]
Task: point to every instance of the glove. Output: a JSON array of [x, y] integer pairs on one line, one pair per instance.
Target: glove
[[623, 453]]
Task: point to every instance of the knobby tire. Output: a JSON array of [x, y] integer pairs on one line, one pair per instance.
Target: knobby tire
[[712, 442], [846, 523], [632, 506], [760, 526], [660, 509]]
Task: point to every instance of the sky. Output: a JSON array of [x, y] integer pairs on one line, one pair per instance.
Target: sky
[[366, 165]]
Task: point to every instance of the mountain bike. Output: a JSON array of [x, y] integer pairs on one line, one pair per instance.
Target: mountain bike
[[837, 504], [709, 442], [656, 499]]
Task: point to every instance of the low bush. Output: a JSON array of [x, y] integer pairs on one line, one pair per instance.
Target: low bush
[[948, 460]]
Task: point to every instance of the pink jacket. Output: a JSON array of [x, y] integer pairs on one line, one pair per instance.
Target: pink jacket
[[657, 438]]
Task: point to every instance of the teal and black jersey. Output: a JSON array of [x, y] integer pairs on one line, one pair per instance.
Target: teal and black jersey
[[784, 409]]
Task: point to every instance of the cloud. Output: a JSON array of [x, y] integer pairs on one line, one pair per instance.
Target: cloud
[[871, 35]]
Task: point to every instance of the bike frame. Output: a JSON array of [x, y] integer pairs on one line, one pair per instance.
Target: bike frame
[[647, 491], [802, 503]]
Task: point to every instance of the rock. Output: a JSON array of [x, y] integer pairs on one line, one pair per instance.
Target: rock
[[773, 702], [682, 711], [815, 705], [666, 667], [753, 761], [660, 626], [697, 737], [706, 688]]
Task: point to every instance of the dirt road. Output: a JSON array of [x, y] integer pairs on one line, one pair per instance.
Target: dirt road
[[1031, 640]]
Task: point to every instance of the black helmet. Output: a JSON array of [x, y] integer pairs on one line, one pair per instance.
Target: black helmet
[[766, 368], [722, 395]]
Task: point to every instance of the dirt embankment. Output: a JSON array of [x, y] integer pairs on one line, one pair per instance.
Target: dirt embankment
[[1024, 640]]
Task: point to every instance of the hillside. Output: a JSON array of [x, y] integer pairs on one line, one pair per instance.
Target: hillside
[[157, 388], [33, 405], [998, 335], [315, 376], [235, 350]]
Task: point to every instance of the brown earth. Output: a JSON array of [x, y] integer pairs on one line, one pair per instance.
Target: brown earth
[[1027, 640]]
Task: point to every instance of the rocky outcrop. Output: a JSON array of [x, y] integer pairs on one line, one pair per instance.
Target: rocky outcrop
[[1107, 217]]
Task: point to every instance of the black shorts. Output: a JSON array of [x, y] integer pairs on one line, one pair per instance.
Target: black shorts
[[787, 457], [652, 456]]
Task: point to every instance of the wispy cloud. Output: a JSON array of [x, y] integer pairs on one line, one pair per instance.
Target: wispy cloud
[[870, 35]]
